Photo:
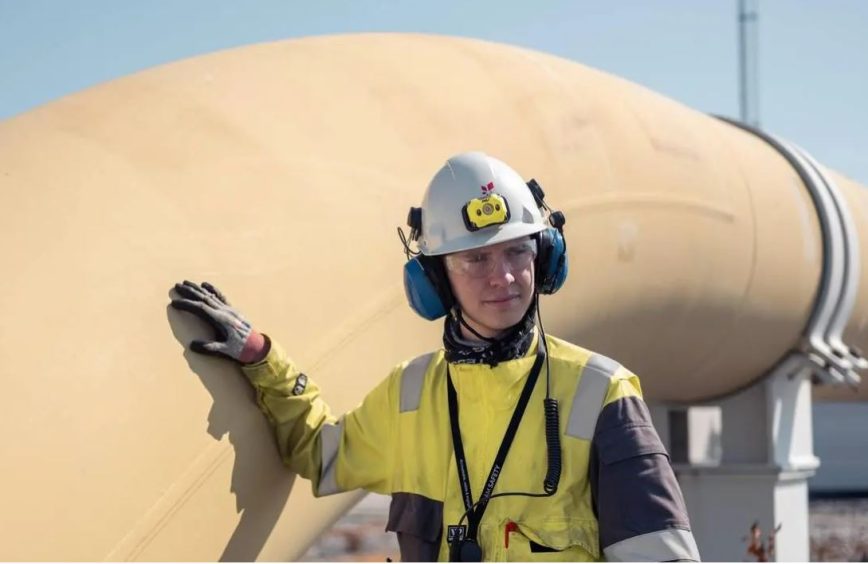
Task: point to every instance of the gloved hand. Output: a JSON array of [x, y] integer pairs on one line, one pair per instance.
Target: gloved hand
[[236, 339]]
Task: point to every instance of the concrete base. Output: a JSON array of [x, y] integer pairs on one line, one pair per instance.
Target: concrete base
[[724, 502], [744, 460]]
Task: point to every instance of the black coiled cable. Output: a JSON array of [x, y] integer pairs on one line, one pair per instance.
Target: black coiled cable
[[553, 446], [550, 407]]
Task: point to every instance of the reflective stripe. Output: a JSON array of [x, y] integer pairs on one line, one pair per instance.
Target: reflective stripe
[[591, 392], [330, 440], [660, 546], [411, 382]]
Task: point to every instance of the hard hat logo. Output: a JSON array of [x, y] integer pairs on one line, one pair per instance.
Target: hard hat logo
[[485, 212], [487, 189]]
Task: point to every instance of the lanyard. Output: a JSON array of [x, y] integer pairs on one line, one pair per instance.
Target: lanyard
[[475, 515]]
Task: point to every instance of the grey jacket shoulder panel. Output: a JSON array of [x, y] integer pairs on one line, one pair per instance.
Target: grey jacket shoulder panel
[[596, 376], [412, 379]]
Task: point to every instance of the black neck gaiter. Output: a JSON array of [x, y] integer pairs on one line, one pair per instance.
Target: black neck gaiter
[[514, 344]]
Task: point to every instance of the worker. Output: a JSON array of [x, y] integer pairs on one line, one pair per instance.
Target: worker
[[504, 444]]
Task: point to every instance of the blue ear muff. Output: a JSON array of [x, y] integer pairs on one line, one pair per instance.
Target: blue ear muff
[[421, 291], [552, 265]]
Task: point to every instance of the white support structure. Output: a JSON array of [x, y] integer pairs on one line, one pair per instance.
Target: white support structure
[[746, 462], [750, 462]]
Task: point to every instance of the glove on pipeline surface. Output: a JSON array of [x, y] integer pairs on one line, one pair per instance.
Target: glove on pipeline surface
[[235, 338]]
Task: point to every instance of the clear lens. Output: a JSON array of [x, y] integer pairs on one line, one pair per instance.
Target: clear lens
[[479, 263]]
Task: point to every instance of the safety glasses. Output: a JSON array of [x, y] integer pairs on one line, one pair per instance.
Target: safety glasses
[[481, 263]]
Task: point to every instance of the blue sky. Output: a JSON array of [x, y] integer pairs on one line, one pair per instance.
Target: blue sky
[[813, 55]]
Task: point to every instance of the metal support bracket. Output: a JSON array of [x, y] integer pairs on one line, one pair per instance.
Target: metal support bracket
[[822, 347]]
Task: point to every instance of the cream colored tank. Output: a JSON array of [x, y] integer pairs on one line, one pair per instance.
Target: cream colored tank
[[279, 172]]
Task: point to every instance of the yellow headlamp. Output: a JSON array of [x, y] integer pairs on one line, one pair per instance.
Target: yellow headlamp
[[484, 212]]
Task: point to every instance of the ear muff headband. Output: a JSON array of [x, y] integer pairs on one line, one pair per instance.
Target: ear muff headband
[[551, 261]]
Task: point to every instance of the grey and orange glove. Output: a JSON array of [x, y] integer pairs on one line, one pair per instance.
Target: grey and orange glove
[[235, 338]]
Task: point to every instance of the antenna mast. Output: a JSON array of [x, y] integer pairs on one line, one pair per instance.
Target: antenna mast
[[748, 69]]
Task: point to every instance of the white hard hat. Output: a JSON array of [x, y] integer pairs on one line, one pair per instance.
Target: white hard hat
[[473, 201]]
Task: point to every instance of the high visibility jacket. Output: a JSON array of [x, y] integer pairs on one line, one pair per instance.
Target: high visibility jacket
[[617, 498]]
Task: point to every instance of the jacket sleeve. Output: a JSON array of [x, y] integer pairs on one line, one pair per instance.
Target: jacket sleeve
[[336, 454], [639, 506]]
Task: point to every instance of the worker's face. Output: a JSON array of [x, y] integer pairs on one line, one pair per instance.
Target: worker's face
[[493, 285]]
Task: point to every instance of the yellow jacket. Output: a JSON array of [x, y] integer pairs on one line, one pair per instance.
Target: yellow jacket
[[617, 496]]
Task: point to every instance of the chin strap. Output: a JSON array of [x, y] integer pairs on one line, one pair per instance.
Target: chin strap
[[460, 317]]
